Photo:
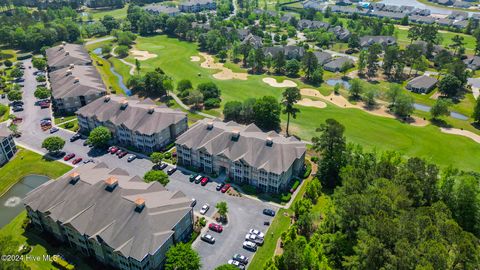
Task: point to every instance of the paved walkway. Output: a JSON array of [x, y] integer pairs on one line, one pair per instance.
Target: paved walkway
[[90, 42], [184, 106], [132, 66]]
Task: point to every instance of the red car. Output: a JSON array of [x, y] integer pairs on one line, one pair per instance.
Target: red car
[[215, 227], [69, 156], [225, 188], [77, 160], [114, 150], [122, 154], [204, 181]]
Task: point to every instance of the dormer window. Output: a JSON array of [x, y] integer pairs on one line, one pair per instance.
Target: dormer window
[[111, 183], [235, 135]]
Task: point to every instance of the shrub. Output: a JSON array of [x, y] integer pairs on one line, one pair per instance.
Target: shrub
[[167, 155], [202, 222], [307, 170], [69, 125], [24, 56], [295, 186], [212, 103], [285, 197], [3, 110], [41, 78], [122, 51]]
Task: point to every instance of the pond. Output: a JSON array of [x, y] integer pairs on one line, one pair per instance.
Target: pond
[[333, 82], [11, 201], [128, 92], [425, 108]]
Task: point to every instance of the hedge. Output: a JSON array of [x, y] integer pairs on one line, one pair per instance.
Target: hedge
[[24, 56], [307, 170]]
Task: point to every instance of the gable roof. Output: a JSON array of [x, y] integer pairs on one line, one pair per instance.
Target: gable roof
[[250, 147], [136, 116], [76, 81], [382, 40], [110, 216], [66, 54], [422, 82], [4, 132]]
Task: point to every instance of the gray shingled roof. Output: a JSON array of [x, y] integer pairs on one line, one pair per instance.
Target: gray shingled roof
[[66, 54], [196, 2], [322, 57], [250, 147], [93, 211], [64, 82], [135, 116], [159, 8], [338, 62], [422, 82], [382, 40]]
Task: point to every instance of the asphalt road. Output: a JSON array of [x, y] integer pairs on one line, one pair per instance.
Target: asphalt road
[[244, 213]]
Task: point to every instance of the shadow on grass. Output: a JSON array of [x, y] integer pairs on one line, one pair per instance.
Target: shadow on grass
[[440, 123]]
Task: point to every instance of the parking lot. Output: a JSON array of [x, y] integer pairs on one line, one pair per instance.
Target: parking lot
[[243, 214]]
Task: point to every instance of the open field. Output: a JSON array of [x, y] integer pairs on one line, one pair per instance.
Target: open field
[[118, 13], [27, 163], [370, 131]]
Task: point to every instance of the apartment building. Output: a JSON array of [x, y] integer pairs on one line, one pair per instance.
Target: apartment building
[[64, 55], [7, 145], [194, 6], [111, 216], [74, 87], [134, 122], [245, 154]]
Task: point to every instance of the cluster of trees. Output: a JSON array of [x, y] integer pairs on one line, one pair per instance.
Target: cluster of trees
[[32, 30], [153, 83], [263, 112], [386, 212], [207, 94]]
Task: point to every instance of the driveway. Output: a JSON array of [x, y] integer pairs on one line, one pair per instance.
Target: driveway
[[243, 215]]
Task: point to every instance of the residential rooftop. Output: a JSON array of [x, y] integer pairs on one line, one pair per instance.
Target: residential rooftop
[[103, 204], [76, 80], [65, 54], [247, 143], [142, 116]]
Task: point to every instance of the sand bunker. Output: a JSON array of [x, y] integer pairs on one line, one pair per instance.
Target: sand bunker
[[272, 82], [225, 73], [340, 101], [460, 132], [312, 103], [195, 58], [142, 55]]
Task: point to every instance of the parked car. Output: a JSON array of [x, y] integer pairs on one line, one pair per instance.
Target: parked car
[[163, 166], [131, 158], [236, 263], [193, 203], [113, 150], [17, 103], [257, 233], [198, 179], [3, 95], [204, 181], [204, 209], [269, 212], [121, 155], [215, 227], [248, 245], [88, 161], [69, 156], [253, 238], [225, 188], [75, 137], [54, 129], [220, 186], [17, 109], [119, 152], [240, 258], [192, 177], [171, 170], [208, 238], [77, 160]]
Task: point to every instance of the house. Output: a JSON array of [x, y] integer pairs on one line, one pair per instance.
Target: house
[[133, 122], [290, 52], [422, 84], [64, 55], [314, 4], [308, 24], [245, 154], [286, 17], [322, 57], [387, 14], [473, 63], [377, 6], [74, 87], [445, 2], [338, 64], [421, 19], [460, 24], [109, 215], [462, 4], [194, 6], [253, 40], [7, 145], [242, 33], [162, 9], [340, 33], [445, 22], [384, 41], [458, 15]]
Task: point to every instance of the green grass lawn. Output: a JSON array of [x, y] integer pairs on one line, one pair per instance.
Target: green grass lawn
[[446, 36], [72, 126], [59, 120], [98, 14], [26, 163], [363, 128]]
